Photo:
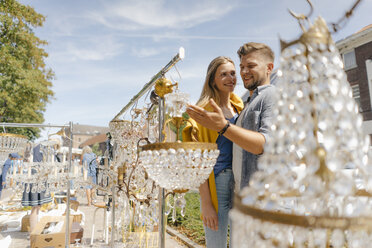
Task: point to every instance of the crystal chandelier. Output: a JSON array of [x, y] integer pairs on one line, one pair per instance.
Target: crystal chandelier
[[178, 166], [118, 129], [314, 181], [47, 175], [137, 203], [11, 143]]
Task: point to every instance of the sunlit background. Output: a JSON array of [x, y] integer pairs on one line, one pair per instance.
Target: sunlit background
[[103, 52]]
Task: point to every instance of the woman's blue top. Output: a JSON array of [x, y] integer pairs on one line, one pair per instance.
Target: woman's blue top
[[224, 160], [6, 167], [90, 159]]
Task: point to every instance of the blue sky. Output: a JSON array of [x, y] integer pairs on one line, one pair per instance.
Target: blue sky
[[103, 52]]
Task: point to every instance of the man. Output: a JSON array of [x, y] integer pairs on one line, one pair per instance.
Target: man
[[252, 127], [6, 166]]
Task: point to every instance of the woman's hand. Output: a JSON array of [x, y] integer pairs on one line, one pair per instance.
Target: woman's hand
[[212, 120], [210, 217], [209, 213]]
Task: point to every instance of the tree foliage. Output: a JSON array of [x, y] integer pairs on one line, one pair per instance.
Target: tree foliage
[[25, 81], [96, 149]]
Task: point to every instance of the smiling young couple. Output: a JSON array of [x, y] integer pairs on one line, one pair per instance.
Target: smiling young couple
[[239, 131]]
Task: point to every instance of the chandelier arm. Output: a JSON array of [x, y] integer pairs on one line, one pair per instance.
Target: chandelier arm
[[164, 127], [302, 16], [169, 193], [131, 173], [336, 26]]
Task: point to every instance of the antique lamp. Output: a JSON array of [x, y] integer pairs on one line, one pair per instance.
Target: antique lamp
[[314, 181], [177, 166]]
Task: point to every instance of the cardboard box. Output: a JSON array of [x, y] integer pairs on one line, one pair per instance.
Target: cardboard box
[[25, 227], [76, 217], [55, 239]]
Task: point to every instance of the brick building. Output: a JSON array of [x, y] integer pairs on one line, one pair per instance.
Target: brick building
[[82, 133], [356, 51]]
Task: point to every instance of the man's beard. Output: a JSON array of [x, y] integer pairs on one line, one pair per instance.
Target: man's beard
[[253, 86]]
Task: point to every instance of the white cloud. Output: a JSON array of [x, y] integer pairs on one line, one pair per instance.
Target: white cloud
[[144, 52], [141, 14], [95, 48], [85, 48]]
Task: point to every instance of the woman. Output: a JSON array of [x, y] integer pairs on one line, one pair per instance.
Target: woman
[[90, 159], [7, 164], [216, 193]]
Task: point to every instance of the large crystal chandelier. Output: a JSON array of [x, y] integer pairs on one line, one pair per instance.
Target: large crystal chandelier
[[137, 194], [139, 197], [312, 187]]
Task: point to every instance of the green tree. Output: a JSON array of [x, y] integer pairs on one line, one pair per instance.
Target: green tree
[[96, 149], [25, 81]]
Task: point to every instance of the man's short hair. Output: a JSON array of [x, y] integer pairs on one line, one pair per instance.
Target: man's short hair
[[251, 47]]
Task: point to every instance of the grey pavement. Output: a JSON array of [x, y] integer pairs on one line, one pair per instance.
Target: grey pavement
[[20, 239]]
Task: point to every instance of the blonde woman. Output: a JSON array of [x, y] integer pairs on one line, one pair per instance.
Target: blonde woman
[[216, 193], [90, 159]]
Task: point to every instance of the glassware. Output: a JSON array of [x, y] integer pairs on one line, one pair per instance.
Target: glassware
[[176, 103]]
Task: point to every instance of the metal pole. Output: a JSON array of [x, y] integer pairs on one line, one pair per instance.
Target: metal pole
[[67, 236], [161, 190], [180, 55], [113, 215], [8, 124]]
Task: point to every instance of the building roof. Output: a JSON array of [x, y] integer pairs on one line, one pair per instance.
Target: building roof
[[365, 28], [89, 130], [357, 39], [96, 139], [65, 149]]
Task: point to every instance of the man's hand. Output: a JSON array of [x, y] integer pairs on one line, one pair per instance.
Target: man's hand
[[210, 217], [212, 120]]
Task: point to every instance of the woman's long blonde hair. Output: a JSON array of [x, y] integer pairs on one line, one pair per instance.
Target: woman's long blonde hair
[[209, 89], [86, 149]]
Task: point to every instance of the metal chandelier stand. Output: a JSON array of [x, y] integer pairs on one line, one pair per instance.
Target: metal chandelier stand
[[161, 105]]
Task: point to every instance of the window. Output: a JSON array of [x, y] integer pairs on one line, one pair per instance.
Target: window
[[356, 95], [350, 60]]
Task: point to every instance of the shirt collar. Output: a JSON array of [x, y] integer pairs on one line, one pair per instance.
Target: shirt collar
[[258, 91], [261, 88]]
